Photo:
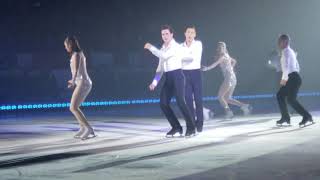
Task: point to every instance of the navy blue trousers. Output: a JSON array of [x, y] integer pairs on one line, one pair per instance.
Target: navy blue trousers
[[194, 93], [174, 86]]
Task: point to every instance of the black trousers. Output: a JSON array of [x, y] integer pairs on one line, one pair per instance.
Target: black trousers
[[174, 86], [194, 93], [289, 93]]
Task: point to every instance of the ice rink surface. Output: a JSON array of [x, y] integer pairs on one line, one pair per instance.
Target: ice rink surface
[[243, 148]]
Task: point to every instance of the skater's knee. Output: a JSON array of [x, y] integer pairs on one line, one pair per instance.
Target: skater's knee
[[228, 99], [221, 98], [164, 104], [182, 100], [182, 103], [189, 100], [280, 95], [199, 104], [291, 99], [74, 109]]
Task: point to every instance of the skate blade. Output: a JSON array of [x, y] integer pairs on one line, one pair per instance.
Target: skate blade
[[307, 124], [89, 137], [228, 118], [283, 126], [191, 136], [174, 136]]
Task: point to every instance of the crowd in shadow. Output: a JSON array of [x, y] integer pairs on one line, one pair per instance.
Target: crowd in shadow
[[32, 77]]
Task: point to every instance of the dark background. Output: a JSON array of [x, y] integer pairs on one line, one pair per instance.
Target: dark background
[[34, 66]]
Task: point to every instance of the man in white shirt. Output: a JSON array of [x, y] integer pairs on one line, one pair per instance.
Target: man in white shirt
[[170, 64], [290, 83], [191, 64]]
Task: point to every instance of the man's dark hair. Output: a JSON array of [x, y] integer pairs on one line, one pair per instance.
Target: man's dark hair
[[191, 27], [167, 27], [284, 37]]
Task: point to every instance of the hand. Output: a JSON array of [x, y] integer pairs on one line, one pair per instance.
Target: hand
[[152, 87], [147, 46], [71, 84], [283, 82]]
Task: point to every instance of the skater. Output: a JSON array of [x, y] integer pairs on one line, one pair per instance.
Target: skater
[[81, 83], [191, 64], [290, 83], [170, 64], [226, 90]]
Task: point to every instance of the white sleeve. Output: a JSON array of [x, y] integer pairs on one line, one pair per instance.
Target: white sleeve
[[285, 64], [162, 55]]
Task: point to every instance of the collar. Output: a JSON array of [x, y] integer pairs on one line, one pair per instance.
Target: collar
[[185, 43], [173, 41], [287, 48]]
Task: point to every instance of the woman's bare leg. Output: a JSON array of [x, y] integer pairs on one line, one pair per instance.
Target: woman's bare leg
[[221, 95], [78, 96], [246, 108], [224, 88], [230, 99]]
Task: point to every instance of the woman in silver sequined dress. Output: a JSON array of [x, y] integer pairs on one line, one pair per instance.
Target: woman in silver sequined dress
[[226, 90], [81, 83]]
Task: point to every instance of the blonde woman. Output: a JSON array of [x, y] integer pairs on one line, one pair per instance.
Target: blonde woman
[[81, 83], [226, 90]]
